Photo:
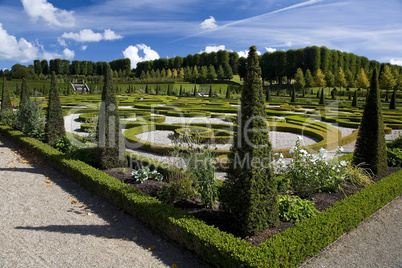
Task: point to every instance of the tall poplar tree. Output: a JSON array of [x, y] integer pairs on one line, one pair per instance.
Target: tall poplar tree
[[54, 127], [249, 195], [370, 149]]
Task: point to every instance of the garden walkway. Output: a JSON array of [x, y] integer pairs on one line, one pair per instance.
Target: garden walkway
[[49, 221]]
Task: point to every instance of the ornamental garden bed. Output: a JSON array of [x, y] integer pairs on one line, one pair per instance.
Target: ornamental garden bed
[[213, 216]]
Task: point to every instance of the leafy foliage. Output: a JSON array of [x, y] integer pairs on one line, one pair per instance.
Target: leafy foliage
[[30, 119], [295, 208], [394, 157], [144, 174], [311, 173]]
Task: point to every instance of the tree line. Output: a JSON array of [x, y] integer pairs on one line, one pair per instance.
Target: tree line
[[276, 67]]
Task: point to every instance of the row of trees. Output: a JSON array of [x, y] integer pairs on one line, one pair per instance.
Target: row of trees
[[342, 80]]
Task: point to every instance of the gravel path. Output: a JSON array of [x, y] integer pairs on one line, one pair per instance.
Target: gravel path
[[49, 221], [376, 242]]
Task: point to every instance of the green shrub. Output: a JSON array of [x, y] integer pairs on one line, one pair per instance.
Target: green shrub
[[30, 119], [295, 208], [144, 174], [64, 145], [394, 157]]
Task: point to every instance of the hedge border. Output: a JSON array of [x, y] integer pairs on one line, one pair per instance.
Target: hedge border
[[285, 249]]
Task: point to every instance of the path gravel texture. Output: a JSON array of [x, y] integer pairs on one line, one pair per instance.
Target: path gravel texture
[[376, 242], [47, 220]]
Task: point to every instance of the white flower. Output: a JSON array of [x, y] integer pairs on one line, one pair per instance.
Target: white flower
[[302, 151], [281, 156], [343, 163], [340, 149], [291, 151], [323, 152]]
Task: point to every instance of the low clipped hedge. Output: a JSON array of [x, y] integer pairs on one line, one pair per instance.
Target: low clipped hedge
[[286, 249]]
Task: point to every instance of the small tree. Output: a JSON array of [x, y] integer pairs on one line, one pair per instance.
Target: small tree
[[181, 90], [361, 80], [228, 93], [354, 101], [392, 104], [54, 127], [309, 79], [322, 97], [268, 95], [249, 195], [300, 83], [387, 78], [5, 97], [210, 91], [108, 131], [319, 79], [293, 95], [340, 79], [195, 90], [370, 149], [24, 91]]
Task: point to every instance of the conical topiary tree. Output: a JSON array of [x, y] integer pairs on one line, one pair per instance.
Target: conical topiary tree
[[354, 101], [210, 91], [268, 95], [181, 90], [54, 128], [195, 90], [293, 96], [24, 91], [370, 149], [110, 141], [318, 94], [249, 195], [228, 92], [322, 97], [392, 104], [5, 97]]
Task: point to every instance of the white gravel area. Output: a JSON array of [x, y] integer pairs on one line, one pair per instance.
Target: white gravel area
[[73, 125], [279, 140]]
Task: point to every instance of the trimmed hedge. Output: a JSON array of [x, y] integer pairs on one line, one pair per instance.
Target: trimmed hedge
[[285, 249]]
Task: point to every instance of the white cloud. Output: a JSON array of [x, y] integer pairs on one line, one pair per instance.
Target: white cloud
[[209, 24], [68, 54], [110, 35], [131, 52], [210, 49], [23, 51], [83, 48], [13, 49], [270, 49], [396, 62], [61, 41], [87, 35], [244, 53], [52, 15]]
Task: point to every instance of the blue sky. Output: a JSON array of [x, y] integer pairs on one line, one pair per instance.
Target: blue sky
[[104, 30]]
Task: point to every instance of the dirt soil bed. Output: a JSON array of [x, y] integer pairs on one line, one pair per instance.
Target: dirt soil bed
[[214, 217]]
